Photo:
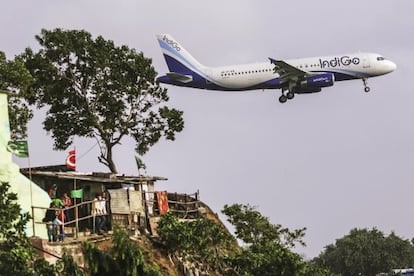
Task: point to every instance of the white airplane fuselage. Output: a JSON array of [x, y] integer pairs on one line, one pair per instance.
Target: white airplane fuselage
[[365, 65]]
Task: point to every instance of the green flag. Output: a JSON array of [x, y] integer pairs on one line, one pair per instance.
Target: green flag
[[140, 164], [18, 148], [76, 193]]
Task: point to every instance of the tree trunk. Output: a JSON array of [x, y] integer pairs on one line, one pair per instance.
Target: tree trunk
[[111, 164]]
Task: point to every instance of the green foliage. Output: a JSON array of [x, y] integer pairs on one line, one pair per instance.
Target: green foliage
[[124, 258], [96, 89], [42, 267], [16, 80], [16, 254], [366, 252], [99, 262], [267, 248], [128, 255], [68, 267], [15, 248], [199, 240]]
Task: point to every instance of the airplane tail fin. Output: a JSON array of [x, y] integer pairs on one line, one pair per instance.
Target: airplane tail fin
[[179, 60]]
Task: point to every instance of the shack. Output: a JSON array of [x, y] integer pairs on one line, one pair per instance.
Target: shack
[[130, 198]]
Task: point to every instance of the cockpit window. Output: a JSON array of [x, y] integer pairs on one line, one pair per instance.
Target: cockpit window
[[380, 58]]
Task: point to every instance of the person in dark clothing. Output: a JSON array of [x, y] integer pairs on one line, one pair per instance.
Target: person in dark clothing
[[50, 218]]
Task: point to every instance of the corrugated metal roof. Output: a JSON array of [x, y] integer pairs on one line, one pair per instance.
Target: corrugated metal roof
[[94, 177]]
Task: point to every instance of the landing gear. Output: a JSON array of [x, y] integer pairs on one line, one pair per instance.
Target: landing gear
[[366, 87], [289, 95]]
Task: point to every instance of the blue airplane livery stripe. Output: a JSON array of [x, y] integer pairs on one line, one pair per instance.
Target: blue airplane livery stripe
[[168, 48]]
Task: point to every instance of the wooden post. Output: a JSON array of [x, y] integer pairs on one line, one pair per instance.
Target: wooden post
[[76, 212]]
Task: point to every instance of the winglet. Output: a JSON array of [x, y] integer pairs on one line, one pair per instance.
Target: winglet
[[272, 60]]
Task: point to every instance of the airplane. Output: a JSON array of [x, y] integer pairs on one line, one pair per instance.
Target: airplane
[[294, 76]]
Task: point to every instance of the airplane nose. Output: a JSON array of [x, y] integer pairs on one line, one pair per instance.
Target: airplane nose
[[391, 66]]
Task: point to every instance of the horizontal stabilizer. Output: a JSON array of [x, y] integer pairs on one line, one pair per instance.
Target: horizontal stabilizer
[[180, 77]]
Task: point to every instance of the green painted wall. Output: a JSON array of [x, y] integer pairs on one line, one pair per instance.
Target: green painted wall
[[26, 190]]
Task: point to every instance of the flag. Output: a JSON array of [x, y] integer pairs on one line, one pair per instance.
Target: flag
[[71, 160], [18, 148], [76, 193], [140, 164]]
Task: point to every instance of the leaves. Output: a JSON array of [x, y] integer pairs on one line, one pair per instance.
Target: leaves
[[16, 253], [268, 246], [253, 228], [93, 88], [16, 80], [200, 240], [267, 249], [124, 258], [366, 252]]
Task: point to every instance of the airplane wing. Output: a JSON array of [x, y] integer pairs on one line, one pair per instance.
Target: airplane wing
[[287, 72]]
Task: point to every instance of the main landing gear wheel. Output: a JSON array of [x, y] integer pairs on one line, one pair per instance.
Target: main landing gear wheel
[[367, 89], [290, 95], [283, 99]]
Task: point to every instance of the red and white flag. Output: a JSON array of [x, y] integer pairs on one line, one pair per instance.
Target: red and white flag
[[71, 160]]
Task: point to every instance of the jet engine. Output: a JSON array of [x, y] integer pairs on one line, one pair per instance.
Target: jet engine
[[318, 81]]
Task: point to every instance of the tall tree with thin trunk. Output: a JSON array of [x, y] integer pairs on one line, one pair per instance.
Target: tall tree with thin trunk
[[95, 89]]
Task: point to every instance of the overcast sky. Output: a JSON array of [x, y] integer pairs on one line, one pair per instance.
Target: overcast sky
[[329, 161]]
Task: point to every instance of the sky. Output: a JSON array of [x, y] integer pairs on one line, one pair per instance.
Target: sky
[[329, 161]]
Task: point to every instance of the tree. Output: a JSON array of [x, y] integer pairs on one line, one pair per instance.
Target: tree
[[16, 80], [366, 252], [202, 241], [16, 253], [268, 246], [123, 258], [14, 246], [96, 89]]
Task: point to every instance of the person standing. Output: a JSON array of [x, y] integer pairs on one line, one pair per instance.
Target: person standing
[[67, 202], [50, 219], [60, 221], [97, 214], [102, 207], [52, 191], [108, 221]]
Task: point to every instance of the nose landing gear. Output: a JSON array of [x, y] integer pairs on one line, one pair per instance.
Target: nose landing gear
[[366, 87]]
